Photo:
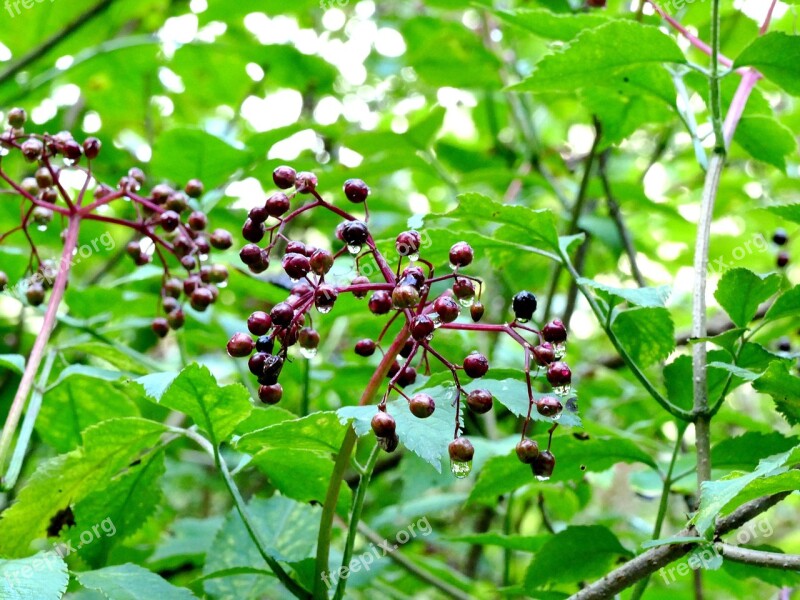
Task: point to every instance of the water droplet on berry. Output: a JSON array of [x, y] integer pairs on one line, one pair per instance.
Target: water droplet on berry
[[460, 468], [542, 477], [560, 349], [454, 267], [4, 151], [429, 338], [467, 302], [308, 352], [413, 257], [69, 162], [293, 279], [353, 248], [522, 320], [437, 320], [556, 416], [42, 227], [562, 390], [325, 309]]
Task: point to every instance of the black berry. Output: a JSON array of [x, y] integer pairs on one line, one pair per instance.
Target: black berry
[[265, 343], [780, 237], [355, 233], [524, 305], [35, 294], [160, 326], [782, 260], [543, 465]]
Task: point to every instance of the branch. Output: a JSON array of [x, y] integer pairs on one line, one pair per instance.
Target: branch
[[651, 561], [772, 560]]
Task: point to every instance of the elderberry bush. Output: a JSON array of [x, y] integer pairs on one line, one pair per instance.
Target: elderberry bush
[[404, 293]]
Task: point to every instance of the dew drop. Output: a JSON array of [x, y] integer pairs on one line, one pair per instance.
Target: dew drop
[[203, 257], [224, 284], [454, 267], [542, 477], [308, 352], [69, 162], [42, 227], [293, 279], [437, 320], [466, 302], [460, 468], [4, 151], [353, 248], [556, 416], [413, 257], [562, 390], [428, 338], [522, 320], [560, 349], [326, 309]]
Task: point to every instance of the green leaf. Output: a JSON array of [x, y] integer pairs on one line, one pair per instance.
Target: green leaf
[[522, 543], [678, 379], [549, 25], [744, 451], [741, 291], [216, 410], [59, 482], [784, 388], [648, 334], [580, 552], [766, 139], [185, 541], [181, 154], [675, 539], [599, 54], [777, 56], [786, 305], [790, 212], [42, 576], [289, 530], [131, 582], [75, 404], [647, 297], [717, 494], [318, 432], [118, 510], [15, 362]]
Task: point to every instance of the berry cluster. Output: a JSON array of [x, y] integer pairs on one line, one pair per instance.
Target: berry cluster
[[165, 223], [403, 292], [781, 238]]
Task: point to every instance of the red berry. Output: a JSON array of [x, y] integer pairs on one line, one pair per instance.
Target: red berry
[[413, 276], [91, 147], [296, 265], [284, 177], [257, 362], [360, 280], [176, 318], [476, 365], [252, 231], [421, 406], [201, 298], [783, 259], [325, 297], [422, 327], [476, 311], [543, 465], [282, 314], [405, 296], [548, 406], [259, 323], [258, 214], [479, 401], [554, 331], [447, 309], [463, 288], [32, 150], [250, 254], [270, 394], [365, 347], [240, 345], [160, 326], [277, 204], [321, 261], [407, 376], [295, 246], [356, 190], [461, 450], [461, 254], [308, 338], [408, 243], [383, 424], [380, 303], [194, 188], [389, 444], [558, 374], [305, 182], [198, 220], [544, 354], [527, 451]]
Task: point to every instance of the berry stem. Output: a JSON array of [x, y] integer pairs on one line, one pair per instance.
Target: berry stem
[[342, 460], [37, 353]]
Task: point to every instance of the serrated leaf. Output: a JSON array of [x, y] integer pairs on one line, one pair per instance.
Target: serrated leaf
[[744, 451], [741, 291], [784, 388], [318, 432], [42, 576], [766, 139], [648, 334], [58, 482], [556, 562], [785, 305], [647, 297], [131, 582], [600, 53], [216, 409], [777, 56], [549, 25], [789, 212]]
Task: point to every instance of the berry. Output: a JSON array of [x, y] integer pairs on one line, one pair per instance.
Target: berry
[[296, 265], [160, 327], [389, 444], [43, 177], [258, 214], [190, 284], [479, 401], [169, 304], [394, 369], [91, 147], [544, 353], [325, 297], [189, 263], [414, 276], [405, 352], [461, 450], [272, 369], [783, 259], [252, 231], [422, 327], [421, 406], [17, 117], [360, 280], [461, 254], [305, 182], [277, 204], [784, 345], [284, 177], [194, 188], [170, 220], [136, 174], [476, 365], [527, 451], [257, 362], [543, 465], [407, 376], [201, 298], [365, 347], [32, 150], [265, 343], [554, 331], [321, 261], [524, 305], [198, 220], [408, 243], [355, 233], [270, 394], [72, 151], [548, 406], [558, 374], [356, 190], [297, 247], [447, 309], [259, 323], [476, 311], [250, 254], [780, 237], [463, 288], [176, 319], [383, 424], [3, 281], [380, 303], [405, 296], [261, 263], [240, 345], [282, 314], [177, 202], [301, 289], [596, 3], [35, 294], [308, 338]]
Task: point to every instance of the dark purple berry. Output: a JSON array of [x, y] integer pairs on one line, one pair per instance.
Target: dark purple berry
[[308, 338], [558, 374], [198, 220], [783, 259], [201, 298], [527, 451], [476, 311], [91, 147], [544, 353], [543, 465], [325, 297], [176, 319], [257, 362], [356, 190], [383, 424], [548, 406], [321, 261], [250, 254], [360, 280], [476, 365], [554, 331], [408, 243], [524, 305], [297, 247], [259, 323], [305, 182], [221, 239], [160, 326], [461, 450], [270, 394], [365, 347], [355, 233], [422, 327], [277, 204], [240, 345], [447, 309], [296, 265], [32, 150], [380, 303], [170, 220], [282, 314], [284, 177], [194, 188], [421, 406], [461, 254], [479, 401], [252, 231], [407, 376]]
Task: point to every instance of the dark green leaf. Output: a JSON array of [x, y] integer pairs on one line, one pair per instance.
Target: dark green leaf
[[741, 291]]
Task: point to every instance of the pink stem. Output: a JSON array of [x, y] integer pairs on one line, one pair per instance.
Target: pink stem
[[736, 109], [768, 18]]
